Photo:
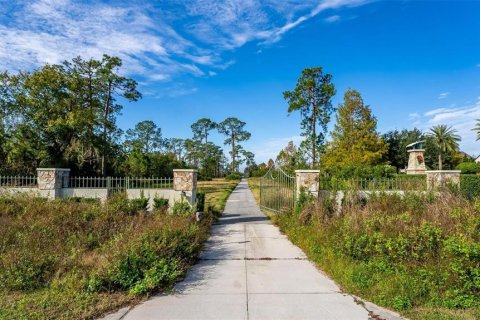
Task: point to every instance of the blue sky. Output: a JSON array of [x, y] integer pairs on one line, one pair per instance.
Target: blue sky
[[416, 63]]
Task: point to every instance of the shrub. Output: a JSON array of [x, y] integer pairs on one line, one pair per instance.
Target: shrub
[[183, 208], [138, 205], [201, 201], [233, 176], [470, 185], [362, 171], [414, 250], [160, 203], [468, 167]]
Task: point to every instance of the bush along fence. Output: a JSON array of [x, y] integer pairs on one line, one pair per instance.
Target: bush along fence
[[56, 183], [279, 192]]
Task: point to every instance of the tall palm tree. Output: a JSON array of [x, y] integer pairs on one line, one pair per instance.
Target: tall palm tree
[[445, 139], [477, 129]]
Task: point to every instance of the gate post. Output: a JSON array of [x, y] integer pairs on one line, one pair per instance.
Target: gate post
[[308, 180], [51, 181], [185, 180]]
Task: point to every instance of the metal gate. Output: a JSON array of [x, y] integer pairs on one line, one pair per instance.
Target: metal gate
[[277, 191]]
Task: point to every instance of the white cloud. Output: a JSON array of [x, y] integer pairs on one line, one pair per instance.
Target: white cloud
[[333, 18], [270, 148], [153, 41], [443, 95], [463, 119], [414, 115]]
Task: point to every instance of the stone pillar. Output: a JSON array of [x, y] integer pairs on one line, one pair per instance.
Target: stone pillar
[[51, 181], [416, 162], [185, 180], [440, 178], [309, 180]]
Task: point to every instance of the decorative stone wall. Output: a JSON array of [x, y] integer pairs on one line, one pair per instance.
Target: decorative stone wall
[[52, 180], [416, 162], [309, 180], [185, 180], [440, 178]]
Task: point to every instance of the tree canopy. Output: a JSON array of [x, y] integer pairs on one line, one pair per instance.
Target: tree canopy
[[312, 97], [445, 139], [355, 139], [234, 130]]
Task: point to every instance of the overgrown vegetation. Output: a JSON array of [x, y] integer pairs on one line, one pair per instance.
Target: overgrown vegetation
[[418, 254], [470, 185], [79, 259]]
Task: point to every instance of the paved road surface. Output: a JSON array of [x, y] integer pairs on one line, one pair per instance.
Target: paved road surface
[[249, 270]]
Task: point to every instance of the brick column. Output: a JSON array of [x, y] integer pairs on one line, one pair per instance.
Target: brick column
[[440, 178], [309, 180], [185, 180], [51, 181]]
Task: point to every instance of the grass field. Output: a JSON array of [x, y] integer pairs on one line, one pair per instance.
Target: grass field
[[254, 184], [79, 260]]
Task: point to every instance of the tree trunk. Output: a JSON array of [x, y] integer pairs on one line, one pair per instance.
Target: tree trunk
[[440, 161], [314, 133], [105, 131], [233, 154]]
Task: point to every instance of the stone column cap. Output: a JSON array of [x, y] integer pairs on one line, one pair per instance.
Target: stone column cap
[[53, 169], [185, 170], [307, 171], [443, 171]]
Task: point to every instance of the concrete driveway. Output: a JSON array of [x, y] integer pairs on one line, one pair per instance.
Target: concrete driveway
[[249, 270]]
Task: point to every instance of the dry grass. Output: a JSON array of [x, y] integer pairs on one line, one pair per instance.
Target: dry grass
[[417, 254], [79, 260]]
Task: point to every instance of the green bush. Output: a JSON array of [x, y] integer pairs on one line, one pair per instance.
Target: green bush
[[138, 205], [470, 185], [160, 203], [183, 208], [233, 176], [403, 252], [468, 167], [201, 201], [362, 171]]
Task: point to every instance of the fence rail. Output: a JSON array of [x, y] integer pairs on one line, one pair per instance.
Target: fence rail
[[18, 181], [382, 184], [120, 183]]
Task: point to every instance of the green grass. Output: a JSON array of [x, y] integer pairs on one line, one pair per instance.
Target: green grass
[[80, 259], [418, 255], [216, 193]]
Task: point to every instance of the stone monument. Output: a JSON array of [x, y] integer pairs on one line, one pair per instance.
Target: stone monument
[[416, 161]]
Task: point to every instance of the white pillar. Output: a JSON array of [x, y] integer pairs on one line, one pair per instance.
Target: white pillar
[[309, 180], [51, 181], [185, 180]]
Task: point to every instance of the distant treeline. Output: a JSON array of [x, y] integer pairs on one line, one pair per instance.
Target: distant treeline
[[65, 115]]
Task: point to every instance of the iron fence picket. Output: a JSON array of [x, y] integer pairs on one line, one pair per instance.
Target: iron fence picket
[[18, 181], [277, 191]]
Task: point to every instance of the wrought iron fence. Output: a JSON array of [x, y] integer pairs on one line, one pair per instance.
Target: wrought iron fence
[[381, 184], [120, 183], [18, 181], [277, 191]]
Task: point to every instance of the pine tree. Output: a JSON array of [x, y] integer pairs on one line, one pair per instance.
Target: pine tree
[[355, 139]]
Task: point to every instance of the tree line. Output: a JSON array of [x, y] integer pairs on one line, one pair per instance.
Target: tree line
[[65, 115], [355, 143]]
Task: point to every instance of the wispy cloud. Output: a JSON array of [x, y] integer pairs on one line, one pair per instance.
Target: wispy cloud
[[463, 119], [443, 95], [155, 41], [332, 19]]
